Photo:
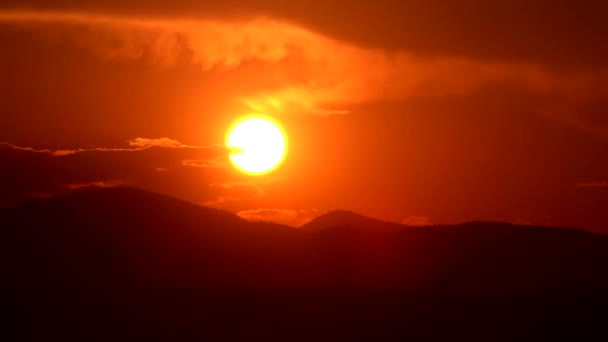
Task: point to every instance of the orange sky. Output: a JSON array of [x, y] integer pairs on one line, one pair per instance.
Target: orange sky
[[418, 112]]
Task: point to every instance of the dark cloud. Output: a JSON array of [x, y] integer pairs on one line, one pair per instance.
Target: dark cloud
[[557, 32], [302, 71], [28, 172], [298, 70]]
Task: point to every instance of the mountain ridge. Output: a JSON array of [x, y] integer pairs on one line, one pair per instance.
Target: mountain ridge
[[121, 260], [92, 197], [349, 218]]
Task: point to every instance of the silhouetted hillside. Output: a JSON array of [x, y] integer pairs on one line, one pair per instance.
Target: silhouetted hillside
[[124, 264], [345, 218]]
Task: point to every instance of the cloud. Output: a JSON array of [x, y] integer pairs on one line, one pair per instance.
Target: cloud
[[298, 70], [63, 152], [161, 142], [218, 164], [592, 185], [542, 31], [291, 217], [417, 221], [47, 151], [98, 184], [234, 191], [28, 171], [137, 144]]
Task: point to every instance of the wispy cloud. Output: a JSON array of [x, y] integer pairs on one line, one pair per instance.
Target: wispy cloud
[[136, 144], [291, 217], [161, 142], [304, 71], [157, 163], [97, 184], [66, 152]]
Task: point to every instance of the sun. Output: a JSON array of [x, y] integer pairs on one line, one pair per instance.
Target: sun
[[258, 144]]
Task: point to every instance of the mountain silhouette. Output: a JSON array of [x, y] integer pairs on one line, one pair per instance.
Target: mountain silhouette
[[345, 218], [125, 264]]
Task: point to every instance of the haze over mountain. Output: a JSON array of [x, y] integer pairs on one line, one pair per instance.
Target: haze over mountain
[[124, 264]]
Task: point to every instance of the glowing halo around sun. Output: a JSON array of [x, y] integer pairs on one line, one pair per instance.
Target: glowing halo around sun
[[258, 144]]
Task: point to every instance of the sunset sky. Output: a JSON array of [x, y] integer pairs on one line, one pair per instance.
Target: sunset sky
[[421, 112]]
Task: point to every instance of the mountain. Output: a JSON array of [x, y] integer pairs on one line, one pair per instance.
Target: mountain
[[124, 264], [345, 218]]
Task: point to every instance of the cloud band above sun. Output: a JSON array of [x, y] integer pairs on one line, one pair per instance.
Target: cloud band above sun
[[303, 71]]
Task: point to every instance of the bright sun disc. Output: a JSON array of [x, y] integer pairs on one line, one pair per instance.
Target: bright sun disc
[[257, 143]]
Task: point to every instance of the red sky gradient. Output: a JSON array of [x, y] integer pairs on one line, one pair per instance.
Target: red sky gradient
[[410, 111]]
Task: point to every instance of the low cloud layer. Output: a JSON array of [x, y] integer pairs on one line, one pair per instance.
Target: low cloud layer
[[149, 163], [291, 217]]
